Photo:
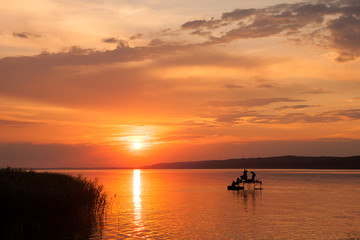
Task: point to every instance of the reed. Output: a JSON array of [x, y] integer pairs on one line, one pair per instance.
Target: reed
[[55, 205]]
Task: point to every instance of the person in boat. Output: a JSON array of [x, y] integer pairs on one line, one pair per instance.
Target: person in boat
[[233, 184], [253, 175], [244, 176], [238, 181]]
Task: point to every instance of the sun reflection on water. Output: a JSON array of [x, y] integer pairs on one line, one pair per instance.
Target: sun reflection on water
[[139, 226]]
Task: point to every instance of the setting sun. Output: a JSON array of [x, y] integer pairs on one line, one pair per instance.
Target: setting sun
[[137, 144]]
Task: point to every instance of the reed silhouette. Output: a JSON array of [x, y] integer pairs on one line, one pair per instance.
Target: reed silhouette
[[45, 205]]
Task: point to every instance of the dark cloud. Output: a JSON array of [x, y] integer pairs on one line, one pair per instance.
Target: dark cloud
[[13, 123], [345, 36], [136, 36], [233, 86], [25, 35], [318, 91], [196, 24], [79, 56], [228, 118], [177, 138], [340, 32], [123, 44], [110, 40], [304, 118], [350, 114], [266, 85], [156, 42], [296, 107], [324, 117], [236, 117], [201, 33], [255, 102], [238, 14]]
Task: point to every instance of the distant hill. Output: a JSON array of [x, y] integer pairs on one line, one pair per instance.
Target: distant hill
[[281, 162]]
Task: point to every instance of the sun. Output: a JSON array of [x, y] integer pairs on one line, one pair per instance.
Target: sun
[[137, 144]]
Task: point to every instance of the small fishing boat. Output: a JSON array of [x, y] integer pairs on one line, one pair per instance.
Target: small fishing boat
[[235, 187], [243, 183]]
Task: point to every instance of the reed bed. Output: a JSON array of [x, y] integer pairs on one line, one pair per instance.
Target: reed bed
[[49, 205]]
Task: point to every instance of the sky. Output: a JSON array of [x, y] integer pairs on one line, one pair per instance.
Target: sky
[[120, 83]]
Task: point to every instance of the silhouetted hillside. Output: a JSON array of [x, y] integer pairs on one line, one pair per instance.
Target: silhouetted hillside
[[285, 162]]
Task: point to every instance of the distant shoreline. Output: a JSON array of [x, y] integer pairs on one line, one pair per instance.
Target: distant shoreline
[[278, 162]]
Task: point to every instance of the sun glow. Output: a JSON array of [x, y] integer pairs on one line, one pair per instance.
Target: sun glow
[[137, 144]]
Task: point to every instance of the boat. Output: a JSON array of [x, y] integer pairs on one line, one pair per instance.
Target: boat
[[243, 183], [235, 187]]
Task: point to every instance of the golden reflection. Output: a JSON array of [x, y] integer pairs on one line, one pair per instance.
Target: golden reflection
[[137, 201], [136, 190]]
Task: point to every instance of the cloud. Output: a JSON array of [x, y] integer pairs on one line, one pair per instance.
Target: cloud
[[123, 78], [233, 86], [156, 42], [350, 114], [136, 36], [265, 85], [13, 123], [25, 35], [345, 36], [234, 117], [58, 77], [80, 56], [318, 91], [110, 40], [323, 117], [333, 24], [196, 24], [255, 102], [178, 138], [296, 107], [255, 117], [201, 33], [238, 14]]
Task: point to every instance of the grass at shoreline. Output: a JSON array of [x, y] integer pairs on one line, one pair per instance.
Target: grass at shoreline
[[50, 204]]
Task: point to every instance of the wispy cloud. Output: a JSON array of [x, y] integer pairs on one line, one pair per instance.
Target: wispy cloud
[[110, 40], [318, 91], [231, 85], [253, 102], [296, 107], [15, 123], [256, 117], [26, 35]]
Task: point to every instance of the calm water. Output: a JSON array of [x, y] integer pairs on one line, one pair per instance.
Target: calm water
[[195, 204]]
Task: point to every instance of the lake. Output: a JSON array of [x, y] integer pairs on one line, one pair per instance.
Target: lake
[[195, 204]]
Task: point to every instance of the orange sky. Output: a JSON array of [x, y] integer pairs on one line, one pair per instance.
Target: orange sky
[[191, 80]]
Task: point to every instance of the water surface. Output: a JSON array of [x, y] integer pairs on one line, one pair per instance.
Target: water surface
[[195, 204]]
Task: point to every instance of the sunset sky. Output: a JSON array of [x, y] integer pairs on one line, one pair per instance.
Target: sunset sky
[[120, 83]]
